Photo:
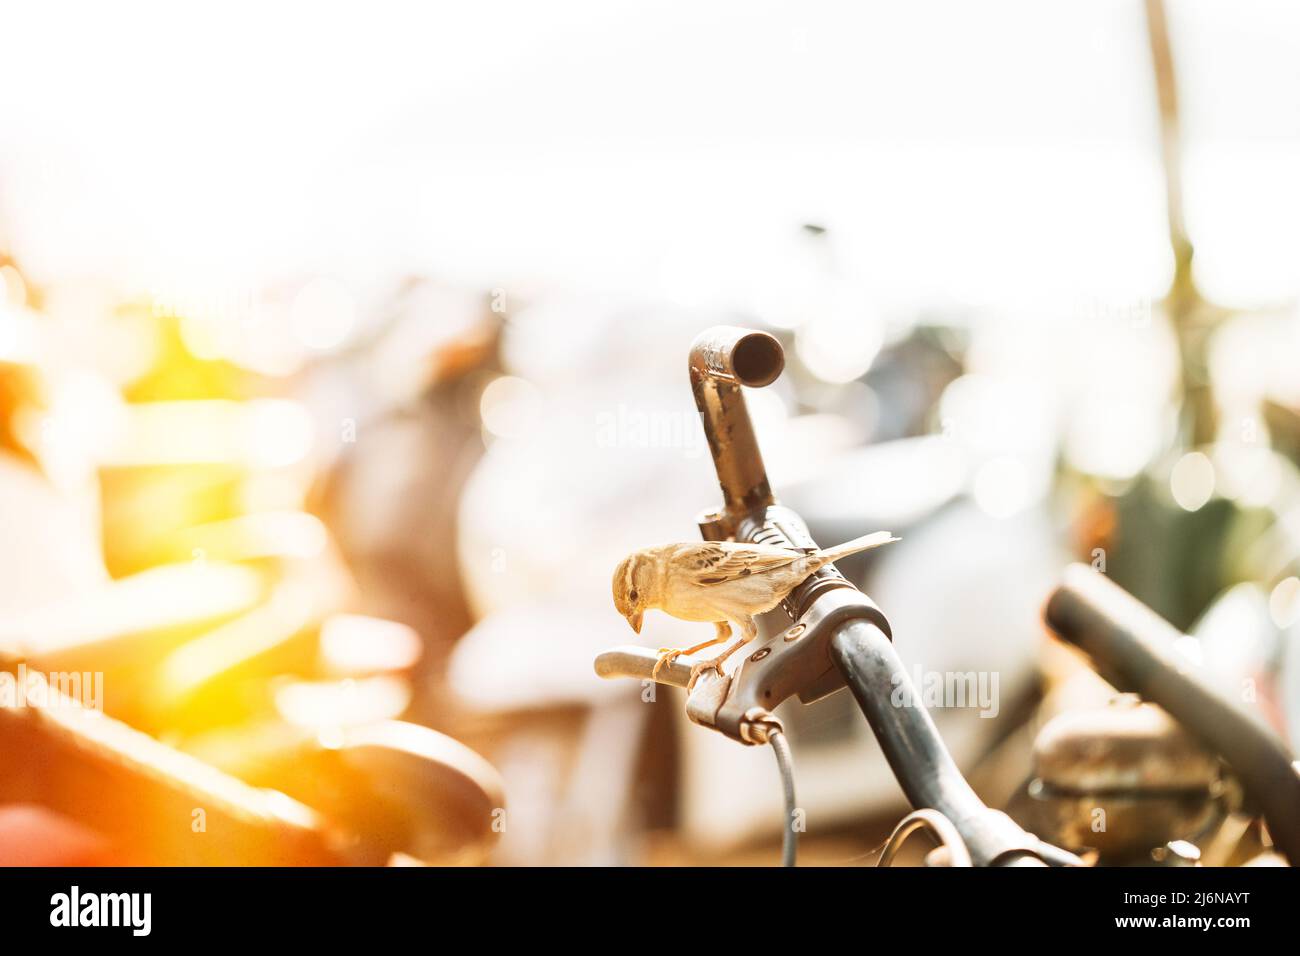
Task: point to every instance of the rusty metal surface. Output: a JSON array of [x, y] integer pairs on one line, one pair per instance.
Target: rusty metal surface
[[1128, 746], [1124, 780], [722, 359], [1135, 650]]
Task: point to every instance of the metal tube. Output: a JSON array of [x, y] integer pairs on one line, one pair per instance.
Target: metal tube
[[723, 359], [915, 751]]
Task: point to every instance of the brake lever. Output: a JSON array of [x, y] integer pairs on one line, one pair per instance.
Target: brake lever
[[706, 696], [794, 662]]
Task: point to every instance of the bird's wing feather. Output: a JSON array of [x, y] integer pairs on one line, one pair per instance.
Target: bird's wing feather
[[723, 561]]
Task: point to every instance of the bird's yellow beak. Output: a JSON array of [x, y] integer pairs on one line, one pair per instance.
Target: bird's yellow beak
[[635, 620]]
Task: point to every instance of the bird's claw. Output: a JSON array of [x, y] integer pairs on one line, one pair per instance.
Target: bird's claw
[[666, 656], [669, 654], [698, 669]]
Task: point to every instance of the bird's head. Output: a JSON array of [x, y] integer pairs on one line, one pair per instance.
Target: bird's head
[[632, 584]]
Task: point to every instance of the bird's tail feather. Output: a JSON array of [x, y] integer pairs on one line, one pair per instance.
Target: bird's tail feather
[[864, 543]]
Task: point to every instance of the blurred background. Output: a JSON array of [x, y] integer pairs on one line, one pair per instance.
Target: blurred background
[[343, 356]]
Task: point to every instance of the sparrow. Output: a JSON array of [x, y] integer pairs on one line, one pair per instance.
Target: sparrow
[[720, 582]]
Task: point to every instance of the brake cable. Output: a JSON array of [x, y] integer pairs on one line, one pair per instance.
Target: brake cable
[[785, 764], [937, 824]]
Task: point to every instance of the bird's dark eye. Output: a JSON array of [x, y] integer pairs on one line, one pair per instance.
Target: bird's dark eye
[[632, 594]]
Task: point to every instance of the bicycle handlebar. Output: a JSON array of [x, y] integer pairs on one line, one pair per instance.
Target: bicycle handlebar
[[837, 634], [1134, 649], [631, 660], [917, 755]]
